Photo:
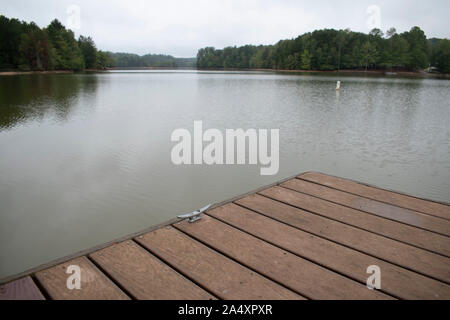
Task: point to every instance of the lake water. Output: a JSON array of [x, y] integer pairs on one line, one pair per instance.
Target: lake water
[[85, 158]]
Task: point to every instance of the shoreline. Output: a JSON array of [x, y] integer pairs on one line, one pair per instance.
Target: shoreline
[[416, 74], [15, 73]]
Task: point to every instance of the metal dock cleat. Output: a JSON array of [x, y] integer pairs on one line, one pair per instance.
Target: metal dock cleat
[[194, 215]]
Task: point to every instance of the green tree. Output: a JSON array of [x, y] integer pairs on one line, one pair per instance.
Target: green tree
[[68, 55], [11, 31], [306, 60], [340, 39], [104, 60], [391, 32], [33, 49], [89, 51], [377, 33], [397, 52], [418, 48], [441, 55], [369, 54]]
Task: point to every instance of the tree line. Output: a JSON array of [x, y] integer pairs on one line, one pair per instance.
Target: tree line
[[331, 49], [26, 47], [129, 60]]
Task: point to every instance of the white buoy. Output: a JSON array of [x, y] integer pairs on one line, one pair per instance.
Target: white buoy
[[338, 85]]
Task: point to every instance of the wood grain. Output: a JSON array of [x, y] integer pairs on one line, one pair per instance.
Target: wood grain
[[21, 289], [401, 254], [396, 281], [418, 237], [144, 276], [298, 274], [378, 208], [220, 275], [94, 284], [397, 199]]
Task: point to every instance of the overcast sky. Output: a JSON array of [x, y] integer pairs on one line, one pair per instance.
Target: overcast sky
[[180, 28]]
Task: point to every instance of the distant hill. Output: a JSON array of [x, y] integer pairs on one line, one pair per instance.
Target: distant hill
[[131, 60]]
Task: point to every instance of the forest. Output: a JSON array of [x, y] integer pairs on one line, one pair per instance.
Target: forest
[[130, 60], [26, 47], [331, 49]]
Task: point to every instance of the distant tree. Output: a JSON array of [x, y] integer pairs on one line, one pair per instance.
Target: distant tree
[[10, 37], [67, 53], [340, 39], [418, 48], [391, 32], [369, 54], [33, 49], [376, 33], [89, 51], [103, 60], [441, 55], [306, 60], [357, 60], [396, 52]]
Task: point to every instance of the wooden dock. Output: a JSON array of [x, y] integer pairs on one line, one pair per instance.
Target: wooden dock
[[309, 237]]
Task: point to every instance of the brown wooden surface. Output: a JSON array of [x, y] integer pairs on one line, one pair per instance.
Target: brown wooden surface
[[388, 228], [21, 289], [307, 237], [378, 208], [145, 277], [387, 249], [396, 281], [404, 201], [220, 275], [303, 276], [94, 284]]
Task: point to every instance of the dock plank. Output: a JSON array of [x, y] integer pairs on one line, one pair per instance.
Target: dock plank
[[308, 237], [94, 284], [144, 276], [396, 281], [418, 237], [422, 261], [298, 274], [378, 208], [394, 198], [219, 274], [21, 289]]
